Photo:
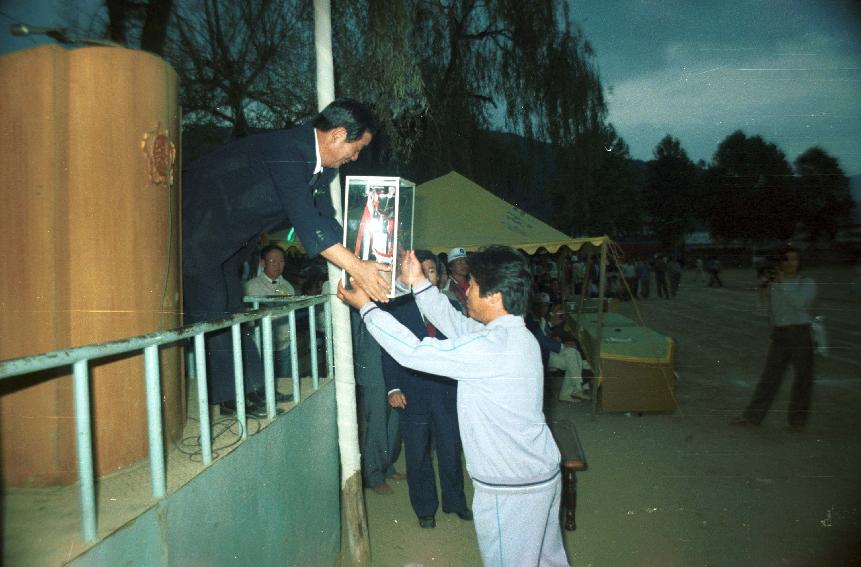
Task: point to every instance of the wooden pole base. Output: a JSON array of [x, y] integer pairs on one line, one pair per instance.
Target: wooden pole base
[[354, 525]]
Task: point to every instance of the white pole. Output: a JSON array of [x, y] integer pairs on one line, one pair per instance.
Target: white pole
[[345, 383]]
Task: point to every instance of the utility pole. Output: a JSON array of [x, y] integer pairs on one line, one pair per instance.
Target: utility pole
[[352, 504]]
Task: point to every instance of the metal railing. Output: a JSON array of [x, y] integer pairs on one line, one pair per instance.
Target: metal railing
[[79, 358]]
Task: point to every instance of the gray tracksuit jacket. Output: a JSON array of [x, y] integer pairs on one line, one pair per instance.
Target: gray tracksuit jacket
[[500, 386]]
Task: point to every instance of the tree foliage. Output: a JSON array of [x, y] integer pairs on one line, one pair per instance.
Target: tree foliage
[[379, 65], [481, 65], [243, 64], [824, 200], [597, 187], [671, 192], [750, 191]]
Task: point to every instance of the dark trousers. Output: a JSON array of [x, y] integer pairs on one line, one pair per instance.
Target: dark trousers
[[661, 285], [675, 280], [381, 436], [789, 345], [644, 287], [714, 279], [380, 430], [210, 294], [418, 432]]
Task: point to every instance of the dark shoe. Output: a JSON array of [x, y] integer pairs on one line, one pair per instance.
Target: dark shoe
[[252, 409], [282, 398], [465, 514], [228, 408], [427, 522], [259, 398]]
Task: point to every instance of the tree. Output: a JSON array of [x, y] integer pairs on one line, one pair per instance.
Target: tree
[[824, 200], [244, 64], [396, 88], [482, 65], [596, 186], [672, 189], [750, 191]]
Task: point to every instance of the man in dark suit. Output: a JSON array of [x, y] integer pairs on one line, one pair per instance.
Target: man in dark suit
[[264, 182], [428, 411]]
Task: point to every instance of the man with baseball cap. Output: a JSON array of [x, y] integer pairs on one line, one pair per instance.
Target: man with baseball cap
[[458, 279]]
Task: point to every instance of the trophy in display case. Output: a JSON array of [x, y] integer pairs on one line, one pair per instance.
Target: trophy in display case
[[378, 222]]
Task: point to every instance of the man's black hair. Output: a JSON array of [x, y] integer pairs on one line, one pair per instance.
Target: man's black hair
[[353, 116], [503, 269], [424, 255], [269, 248]]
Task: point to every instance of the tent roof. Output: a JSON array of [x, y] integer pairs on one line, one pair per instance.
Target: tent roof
[[453, 211]]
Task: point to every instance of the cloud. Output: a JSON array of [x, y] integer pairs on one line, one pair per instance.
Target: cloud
[[801, 93]]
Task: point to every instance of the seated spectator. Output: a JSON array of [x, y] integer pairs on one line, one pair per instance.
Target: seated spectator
[[555, 353], [271, 282]]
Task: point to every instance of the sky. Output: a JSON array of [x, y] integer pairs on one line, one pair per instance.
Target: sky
[[786, 70]]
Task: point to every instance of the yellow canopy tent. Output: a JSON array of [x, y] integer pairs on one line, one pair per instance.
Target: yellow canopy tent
[[453, 211]]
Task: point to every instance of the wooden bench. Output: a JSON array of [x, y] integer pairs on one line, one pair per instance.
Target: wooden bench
[[573, 461]]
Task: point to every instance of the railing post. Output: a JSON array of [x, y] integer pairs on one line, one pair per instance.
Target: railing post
[[202, 400], [294, 358], [268, 366], [239, 376], [85, 449], [154, 425], [312, 330], [330, 352]]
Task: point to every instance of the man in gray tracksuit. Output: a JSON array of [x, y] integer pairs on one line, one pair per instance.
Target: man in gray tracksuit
[[510, 454]]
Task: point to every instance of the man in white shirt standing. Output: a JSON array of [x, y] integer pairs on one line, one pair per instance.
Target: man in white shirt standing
[[271, 282], [789, 296]]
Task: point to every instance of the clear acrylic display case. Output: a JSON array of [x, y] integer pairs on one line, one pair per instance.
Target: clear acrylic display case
[[378, 222]]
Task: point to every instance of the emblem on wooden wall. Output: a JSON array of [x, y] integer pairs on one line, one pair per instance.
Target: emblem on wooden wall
[[161, 155]]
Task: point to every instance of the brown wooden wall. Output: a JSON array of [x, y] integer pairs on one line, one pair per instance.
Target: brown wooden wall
[[90, 249]]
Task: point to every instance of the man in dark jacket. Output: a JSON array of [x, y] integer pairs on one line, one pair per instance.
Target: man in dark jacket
[[256, 184], [428, 412]]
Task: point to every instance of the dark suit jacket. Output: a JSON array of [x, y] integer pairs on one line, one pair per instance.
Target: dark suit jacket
[[546, 343], [250, 186], [425, 393]]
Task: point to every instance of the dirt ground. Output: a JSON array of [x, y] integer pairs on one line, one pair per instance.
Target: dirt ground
[[688, 488]]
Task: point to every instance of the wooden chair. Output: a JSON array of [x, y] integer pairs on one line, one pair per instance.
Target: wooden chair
[[573, 461]]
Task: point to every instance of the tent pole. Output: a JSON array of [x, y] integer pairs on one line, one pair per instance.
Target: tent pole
[[355, 522], [599, 324], [585, 288]]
